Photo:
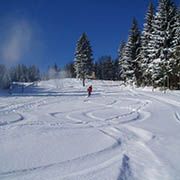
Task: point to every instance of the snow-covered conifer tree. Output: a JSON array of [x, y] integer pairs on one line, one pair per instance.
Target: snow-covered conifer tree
[[33, 73], [175, 63], [83, 58], [4, 77], [121, 54], [107, 67], [162, 40], [128, 61], [146, 45], [116, 69]]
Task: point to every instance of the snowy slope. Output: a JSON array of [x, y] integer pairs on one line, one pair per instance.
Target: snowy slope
[[53, 131]]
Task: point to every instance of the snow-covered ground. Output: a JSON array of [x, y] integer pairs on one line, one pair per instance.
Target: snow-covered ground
[[53, 131]]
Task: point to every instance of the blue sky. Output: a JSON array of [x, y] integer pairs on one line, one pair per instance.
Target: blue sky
[[43, 32]]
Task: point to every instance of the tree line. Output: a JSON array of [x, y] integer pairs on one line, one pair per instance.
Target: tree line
[[19, 73], [148, 58]]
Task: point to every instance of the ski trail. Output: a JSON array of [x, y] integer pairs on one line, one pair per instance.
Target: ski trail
[[129, 152], [143, 136], [177, 116], [68, 168], [174, 105], [96, 161], [16, 117]]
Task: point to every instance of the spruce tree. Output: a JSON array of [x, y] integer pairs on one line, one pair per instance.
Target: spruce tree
[[162, 40], [107, 67], [176, 38], [83, 58], [33, 73], [175, 63], [5, 79], [98, 69], [128, 60], [116, 69], [121, 49], [146, 45], [120, 60], [69, 69]]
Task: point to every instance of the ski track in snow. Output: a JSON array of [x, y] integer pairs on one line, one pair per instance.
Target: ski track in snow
[[16, 108], [107, 132], [177, 116], [173, 104], [129, 143]]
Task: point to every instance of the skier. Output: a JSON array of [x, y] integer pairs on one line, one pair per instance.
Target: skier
[[89, 90]]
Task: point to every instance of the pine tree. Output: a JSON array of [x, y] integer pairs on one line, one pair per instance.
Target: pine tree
[[33, 73], [22, 73], [69, 69], [116, 69], [55, 67], [104, 68], [83, 58], [97, 70], [121, 54], [176, 38], [5, 79], [13, 74], [162, 40], [107, 67], [2, 72], [146, 46], [175, 63], [128, 60], [121, 49]]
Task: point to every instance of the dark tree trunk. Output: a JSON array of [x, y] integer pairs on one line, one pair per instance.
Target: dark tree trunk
[[83, 81]]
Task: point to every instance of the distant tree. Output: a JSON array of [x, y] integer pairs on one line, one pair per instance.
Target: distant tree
[[13, 74], [33, 73], [56, 68], [54, 72], [107, 68], [96, 70], [22, 73], [83, 58], [104, 68], [123, 64], [19, 73], [116, 69], [121, 54], [69, 69], [5, 79], [2, 71]]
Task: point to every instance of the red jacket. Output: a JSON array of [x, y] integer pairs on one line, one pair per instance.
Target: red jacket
[[89, 89]]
